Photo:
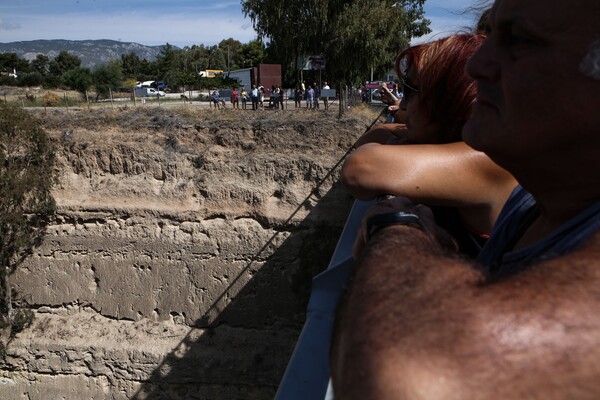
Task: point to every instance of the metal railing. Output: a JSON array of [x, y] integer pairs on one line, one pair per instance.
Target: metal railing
[[307, 375]]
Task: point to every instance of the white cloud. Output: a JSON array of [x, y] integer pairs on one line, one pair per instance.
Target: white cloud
[[445, 26]]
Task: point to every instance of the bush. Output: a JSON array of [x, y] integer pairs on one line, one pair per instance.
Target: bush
[[6, 80], [30, 79], [52, 81], [51, 99], [30, 97], [26, 204]]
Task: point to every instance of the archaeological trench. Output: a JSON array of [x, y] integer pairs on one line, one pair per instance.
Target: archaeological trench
[[179, 262]]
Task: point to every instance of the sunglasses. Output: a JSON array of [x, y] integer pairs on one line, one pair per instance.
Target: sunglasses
[[403, 65], [408, 89]]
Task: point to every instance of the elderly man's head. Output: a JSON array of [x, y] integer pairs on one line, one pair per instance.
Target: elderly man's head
[[538, 79]]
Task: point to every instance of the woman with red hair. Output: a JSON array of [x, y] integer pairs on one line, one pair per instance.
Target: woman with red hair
[[432, 165]]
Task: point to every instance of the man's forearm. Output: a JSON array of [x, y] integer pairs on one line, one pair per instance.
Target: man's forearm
[[397, 281], [419, 324]]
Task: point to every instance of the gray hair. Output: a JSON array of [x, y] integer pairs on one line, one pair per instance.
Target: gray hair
[[590, 63]]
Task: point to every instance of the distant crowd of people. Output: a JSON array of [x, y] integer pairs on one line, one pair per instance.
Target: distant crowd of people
[[311, 95], [276, 95]]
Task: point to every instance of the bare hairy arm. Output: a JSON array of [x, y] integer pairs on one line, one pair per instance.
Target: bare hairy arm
[[417, 323], [452, 175]]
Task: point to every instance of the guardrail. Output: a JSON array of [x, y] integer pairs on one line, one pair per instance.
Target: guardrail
[[308, 374]]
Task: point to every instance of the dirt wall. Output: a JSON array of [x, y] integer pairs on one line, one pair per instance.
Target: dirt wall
[[179, 261]]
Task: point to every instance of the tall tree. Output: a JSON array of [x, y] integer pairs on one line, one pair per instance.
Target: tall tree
[[10, 62], [79, 79], [197, 57], [217, 58], [166, 61], [40, 64], [352, 35], [107, 77], [131, 65], [252, 53], [64, 62], [231, 48]]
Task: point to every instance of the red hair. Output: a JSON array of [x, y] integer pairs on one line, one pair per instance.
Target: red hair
[[445, 91]]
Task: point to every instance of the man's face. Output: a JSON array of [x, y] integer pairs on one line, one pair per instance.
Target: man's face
[[533, 100]]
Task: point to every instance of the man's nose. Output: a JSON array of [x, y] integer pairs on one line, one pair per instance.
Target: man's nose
[[483, 64]]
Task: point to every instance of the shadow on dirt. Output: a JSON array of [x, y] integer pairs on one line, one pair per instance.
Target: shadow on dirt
[[240, 348]]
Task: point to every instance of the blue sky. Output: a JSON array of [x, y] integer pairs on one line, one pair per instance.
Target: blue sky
[[156, 22]]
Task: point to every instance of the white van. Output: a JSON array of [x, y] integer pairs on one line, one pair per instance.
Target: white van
[[149, 92]]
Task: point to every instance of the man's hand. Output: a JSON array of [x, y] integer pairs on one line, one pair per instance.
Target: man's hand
[[392, 204]]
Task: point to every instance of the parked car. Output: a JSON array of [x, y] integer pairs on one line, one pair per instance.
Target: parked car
[[149, 92], [159, 85]]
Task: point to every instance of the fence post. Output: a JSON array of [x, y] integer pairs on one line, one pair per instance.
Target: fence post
[[340, 102]]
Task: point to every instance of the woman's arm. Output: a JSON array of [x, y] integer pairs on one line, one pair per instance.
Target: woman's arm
[[452, 175]]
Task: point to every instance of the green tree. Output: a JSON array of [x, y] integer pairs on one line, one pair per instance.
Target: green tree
[[232, 50], [40, 64], [217, 59], [131, 65], [198, 58], [365, 28], [252, 53], [107, 77], [166, 61], [10, 62], [352, 35], [64, 62], [79, 79], [30, 79], [26, 204]]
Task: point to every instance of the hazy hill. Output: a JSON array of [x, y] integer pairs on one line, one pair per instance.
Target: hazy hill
[[91, 52]]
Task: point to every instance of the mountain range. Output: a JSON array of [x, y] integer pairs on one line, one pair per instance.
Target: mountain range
[[91, 52]]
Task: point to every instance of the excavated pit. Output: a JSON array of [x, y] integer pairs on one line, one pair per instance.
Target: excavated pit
[[179, 262]]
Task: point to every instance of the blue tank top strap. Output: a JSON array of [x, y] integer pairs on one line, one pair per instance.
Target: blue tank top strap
[[499, 260]]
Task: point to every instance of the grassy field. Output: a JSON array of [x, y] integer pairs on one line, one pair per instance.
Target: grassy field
[[40, 97]]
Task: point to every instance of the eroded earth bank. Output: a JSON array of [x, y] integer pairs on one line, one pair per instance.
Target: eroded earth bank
[[178, 264]]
